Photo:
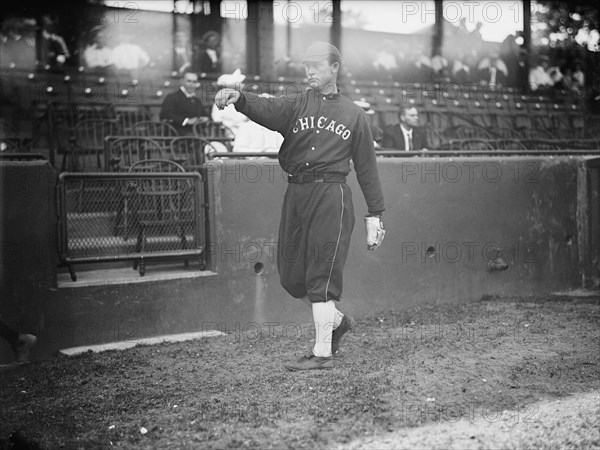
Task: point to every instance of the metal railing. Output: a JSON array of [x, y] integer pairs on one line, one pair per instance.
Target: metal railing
[[135, 217]]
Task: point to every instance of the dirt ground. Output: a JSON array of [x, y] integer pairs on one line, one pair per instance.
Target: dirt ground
[[497, 373]]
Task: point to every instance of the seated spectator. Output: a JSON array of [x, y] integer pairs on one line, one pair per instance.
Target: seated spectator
[[182, 108], [492, 70], [463, 68], [385, 63], [420, 67], [376, 131], [439, 67], [556, 76], [512, 53], [97, 55], [53, 47], [538, 75], [229, 116], [252, 137], [207, 57], [578, 77], [407, 135], [182, 52], [130, 57], [249, 136]]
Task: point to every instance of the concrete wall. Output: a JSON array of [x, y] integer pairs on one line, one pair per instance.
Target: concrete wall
[[446, 219]]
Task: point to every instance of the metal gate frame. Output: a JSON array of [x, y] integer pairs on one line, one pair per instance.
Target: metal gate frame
[[198, 252]]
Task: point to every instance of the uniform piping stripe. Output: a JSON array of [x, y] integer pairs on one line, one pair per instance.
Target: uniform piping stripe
[[336, 244]]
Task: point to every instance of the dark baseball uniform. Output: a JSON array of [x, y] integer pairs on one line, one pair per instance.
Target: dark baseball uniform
[[322, 134]]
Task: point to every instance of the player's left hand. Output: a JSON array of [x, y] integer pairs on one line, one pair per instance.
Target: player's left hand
[[375, 232]]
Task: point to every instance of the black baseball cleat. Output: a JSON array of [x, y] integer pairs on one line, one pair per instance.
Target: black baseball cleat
[[311, 362], [346, 325]]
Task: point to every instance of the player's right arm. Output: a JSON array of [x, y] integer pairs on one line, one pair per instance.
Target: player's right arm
[[274, 113]]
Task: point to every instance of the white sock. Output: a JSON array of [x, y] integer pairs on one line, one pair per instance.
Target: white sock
[[337, 318], [323, 316]]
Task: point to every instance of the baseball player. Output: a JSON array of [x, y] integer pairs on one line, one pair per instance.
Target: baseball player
[[323, 131]]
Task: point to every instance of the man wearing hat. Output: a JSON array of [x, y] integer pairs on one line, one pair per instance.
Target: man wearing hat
[[323, 131]]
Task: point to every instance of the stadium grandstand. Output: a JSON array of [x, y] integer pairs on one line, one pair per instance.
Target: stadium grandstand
[[94, 183]]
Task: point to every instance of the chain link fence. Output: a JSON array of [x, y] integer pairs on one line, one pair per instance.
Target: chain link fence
[[131, 216]]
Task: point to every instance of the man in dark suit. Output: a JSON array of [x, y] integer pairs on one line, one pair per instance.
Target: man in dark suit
[[407, 135], [183, 109], [208, 57]]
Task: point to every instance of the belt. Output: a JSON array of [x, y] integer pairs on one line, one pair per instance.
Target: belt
[[311, 177]]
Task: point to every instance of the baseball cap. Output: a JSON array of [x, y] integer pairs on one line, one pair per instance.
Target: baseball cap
[[319, 51]]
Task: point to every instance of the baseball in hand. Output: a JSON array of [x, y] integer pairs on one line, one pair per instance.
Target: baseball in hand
[[226, 97]]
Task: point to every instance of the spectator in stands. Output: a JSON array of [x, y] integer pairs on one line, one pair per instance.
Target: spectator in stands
[[21, 344], [98, 55], [249, 136], [578, 77], [492, 70], [461, 32], [254, 138], [53, 47], [127, 56], [556, 75], [568, 81], [376, 131], [476, 39], [182, 108], [208, 56], [512, 54], [420, 68], [229, 116], [385, 63], [439, 68], [538, 75], [182, 52], [407, 135], [462, 67], [476, 33], [17, 43]]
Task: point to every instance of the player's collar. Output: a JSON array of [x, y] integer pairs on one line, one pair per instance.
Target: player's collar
[[332, 96]]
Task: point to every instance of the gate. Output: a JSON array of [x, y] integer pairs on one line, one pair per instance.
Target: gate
[[105, 217]]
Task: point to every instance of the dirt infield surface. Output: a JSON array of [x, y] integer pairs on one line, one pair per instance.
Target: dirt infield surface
[[498, 373]]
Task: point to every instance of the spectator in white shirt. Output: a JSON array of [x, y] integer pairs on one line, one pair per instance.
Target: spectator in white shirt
[[538, 76]]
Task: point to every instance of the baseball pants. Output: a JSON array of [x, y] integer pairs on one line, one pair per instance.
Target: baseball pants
[[317, 220]]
